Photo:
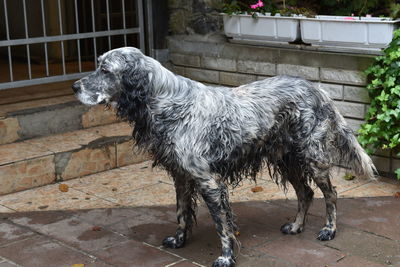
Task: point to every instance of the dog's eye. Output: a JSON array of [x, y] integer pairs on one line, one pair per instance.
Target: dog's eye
[[103, 70]]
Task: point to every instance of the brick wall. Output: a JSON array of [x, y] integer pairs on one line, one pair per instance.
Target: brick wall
[[215, 61]]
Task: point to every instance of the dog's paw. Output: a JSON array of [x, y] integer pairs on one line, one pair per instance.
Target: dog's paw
[[326, 234], [173, 242], [224, 262], [291, 228]]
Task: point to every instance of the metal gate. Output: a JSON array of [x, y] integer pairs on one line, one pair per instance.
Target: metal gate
[[45, 41]]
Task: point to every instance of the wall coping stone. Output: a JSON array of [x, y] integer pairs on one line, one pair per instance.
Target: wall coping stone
[[216, 45]]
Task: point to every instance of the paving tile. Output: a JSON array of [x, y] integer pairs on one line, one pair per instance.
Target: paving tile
[[76, 233], [133, 253], [98, 115], [261, 259], [87, 161], [184, 263], [121, 180], [66, 141], [27, 174], [9, 128], [374, 215], [9, 108], [39, 251], [300, 252], [115, 129], [270, 191], [367, 246], [7, 264], [5, 209], [51, 198], [20, 151], [373, 189], [138, 215], [11, 233], [153, 195], [128, 154], [355, 261]]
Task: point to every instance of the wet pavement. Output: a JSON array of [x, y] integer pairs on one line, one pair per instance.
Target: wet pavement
[[120, 217]]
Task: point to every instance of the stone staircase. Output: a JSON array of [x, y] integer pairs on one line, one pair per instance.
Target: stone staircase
[[52, 139]]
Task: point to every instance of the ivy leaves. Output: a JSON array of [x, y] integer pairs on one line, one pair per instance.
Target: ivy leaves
[[382, 129]]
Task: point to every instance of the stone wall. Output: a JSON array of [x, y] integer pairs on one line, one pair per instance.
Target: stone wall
[[194, 16], [213, 60]]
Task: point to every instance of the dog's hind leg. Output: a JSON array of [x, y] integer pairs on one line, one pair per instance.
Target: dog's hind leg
[[321, 178], [304, 197], [185, 211]]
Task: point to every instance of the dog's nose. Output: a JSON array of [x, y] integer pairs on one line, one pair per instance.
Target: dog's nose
[[76, 86]]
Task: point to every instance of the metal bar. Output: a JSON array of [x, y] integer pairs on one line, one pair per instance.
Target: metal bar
[[124, 20], [94, 38], [51, 79], [46, 56], [141, 24], [28, 54], [150, 27], [61, 34], [78, 41], [67, 37], [8, 38], [108, 23]]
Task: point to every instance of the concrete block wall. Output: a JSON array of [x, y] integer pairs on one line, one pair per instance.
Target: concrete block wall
[[215, 61]]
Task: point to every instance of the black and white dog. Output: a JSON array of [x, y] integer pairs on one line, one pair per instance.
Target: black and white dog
[[210, 137]]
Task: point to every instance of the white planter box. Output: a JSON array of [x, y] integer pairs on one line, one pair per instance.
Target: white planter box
[[336, 31], [265, 28]]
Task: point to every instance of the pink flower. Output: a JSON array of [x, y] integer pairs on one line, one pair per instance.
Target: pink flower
[[259, 4]]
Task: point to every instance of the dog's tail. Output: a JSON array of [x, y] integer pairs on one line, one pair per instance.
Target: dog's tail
[[351, 153]]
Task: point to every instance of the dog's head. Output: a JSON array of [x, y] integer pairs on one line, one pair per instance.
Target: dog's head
[[117, 69]]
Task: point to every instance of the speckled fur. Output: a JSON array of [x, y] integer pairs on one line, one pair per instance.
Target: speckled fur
[[210, 137]]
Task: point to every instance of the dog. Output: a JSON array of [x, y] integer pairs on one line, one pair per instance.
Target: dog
[[208, 138]]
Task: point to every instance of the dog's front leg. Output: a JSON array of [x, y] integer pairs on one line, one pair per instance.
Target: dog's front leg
[[185, 211], [216, 198]]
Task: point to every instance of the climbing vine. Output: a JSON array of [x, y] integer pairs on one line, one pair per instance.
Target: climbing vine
[[382, 127]]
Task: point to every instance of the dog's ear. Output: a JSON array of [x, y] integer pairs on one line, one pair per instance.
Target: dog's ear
[[135, 78]]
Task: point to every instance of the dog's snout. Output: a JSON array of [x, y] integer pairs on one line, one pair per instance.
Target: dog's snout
[[76, 86]]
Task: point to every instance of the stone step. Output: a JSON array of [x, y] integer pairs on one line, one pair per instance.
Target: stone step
[[53, 115], [60, 157]]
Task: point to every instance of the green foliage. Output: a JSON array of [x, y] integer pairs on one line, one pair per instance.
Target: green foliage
[[382, 129]]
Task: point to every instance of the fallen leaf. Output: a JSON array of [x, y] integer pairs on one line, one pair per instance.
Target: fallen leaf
[[257, 189], [348, 176], [397, 195], [63, 188], [96, 228], [78, 265]]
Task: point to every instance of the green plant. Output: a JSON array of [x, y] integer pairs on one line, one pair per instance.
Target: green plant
[[382, 127]]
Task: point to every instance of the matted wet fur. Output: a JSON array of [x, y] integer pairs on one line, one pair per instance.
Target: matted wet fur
[[210, 137]]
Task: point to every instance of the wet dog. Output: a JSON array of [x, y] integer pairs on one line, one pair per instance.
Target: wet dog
[[210, 137]]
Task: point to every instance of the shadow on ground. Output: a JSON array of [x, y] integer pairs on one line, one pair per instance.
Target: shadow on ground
[[368, 235]]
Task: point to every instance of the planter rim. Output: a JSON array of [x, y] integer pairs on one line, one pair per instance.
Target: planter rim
[[331, 18], [260, 16], [385, 20]]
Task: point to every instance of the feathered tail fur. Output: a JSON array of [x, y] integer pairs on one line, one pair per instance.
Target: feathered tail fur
[[351, 153]]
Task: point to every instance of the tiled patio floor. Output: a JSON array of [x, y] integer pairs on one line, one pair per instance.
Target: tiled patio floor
[[119, 218]]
